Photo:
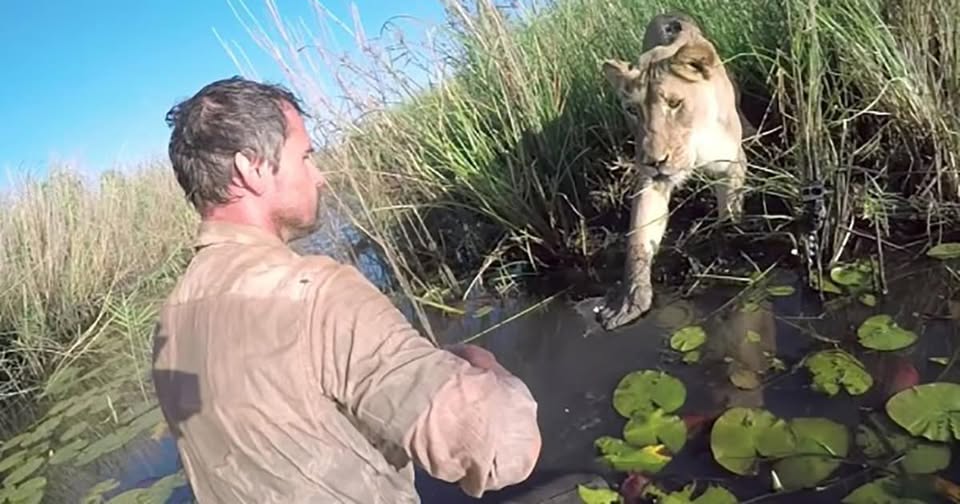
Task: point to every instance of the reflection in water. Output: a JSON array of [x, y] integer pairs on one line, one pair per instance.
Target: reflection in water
[[572, 367]]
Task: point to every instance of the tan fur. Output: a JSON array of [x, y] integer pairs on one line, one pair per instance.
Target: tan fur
[[682, 108]]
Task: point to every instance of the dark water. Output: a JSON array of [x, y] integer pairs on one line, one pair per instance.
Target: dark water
[[572, 367]]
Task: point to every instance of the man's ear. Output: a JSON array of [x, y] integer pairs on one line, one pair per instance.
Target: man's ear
[[249, 171], [619, 72], [695, 61]]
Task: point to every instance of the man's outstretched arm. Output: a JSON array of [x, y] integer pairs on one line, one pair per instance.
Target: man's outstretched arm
[[471, 424], [480, 430]]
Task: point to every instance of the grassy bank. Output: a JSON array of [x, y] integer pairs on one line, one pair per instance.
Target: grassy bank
[[526, 143], [513, 167], [82, 262]]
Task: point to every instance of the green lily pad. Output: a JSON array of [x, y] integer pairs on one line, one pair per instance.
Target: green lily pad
[[781, 290], [886, 441], [24, 471], [68, 452], [645, 429], [853, 275], [74, 431], [745, 379], [14, 441], [691, 357], [597, 495], [643, 391], [12, 460], [147, 420], [688, 338], [930, 410], [893, 490], [100, 447], [740, 434], [881, 332], [160, 491], [868, 299], [623, 457], [712, 495], [95, 494], [30, 491], [824, 284], [139, 410], [944, 251], [820, 446], [833, 368], [753, 336], [62, 405]]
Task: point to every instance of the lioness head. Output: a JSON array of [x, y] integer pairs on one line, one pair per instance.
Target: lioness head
[[681, 107]]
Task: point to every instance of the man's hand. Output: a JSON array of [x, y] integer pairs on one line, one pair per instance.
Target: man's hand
[[477, 356]]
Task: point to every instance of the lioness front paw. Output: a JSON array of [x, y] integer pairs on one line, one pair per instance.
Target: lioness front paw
[[626, 309]]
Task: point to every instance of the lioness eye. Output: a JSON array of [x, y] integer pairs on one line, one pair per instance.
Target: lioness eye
[[674, 102]]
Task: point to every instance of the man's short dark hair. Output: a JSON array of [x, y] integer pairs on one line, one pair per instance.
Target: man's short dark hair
[[225, 117]]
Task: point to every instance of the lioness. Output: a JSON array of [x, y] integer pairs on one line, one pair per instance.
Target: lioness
[[682, 108]]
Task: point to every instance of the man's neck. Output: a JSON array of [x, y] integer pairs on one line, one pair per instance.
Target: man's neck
[[242, 215]]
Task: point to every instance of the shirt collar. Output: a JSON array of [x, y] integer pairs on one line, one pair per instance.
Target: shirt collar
[[212, 232]]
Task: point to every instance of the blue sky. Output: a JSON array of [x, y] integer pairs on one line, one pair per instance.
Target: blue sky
[[89, 82]]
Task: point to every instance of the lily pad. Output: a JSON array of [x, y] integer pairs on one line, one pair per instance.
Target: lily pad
[[892, 490], [68, 452], [23, 472], [853, 275], [14, 441], [644, 391], [691, 357], [740, 434], [74, 431], [868, 299], [29, 492], [95, 494], [930, 410], [688, 338], [753, 336], [944, 251], [832, 369], [100, 447], [919, 456], [623, 457], [881, 332], [712, 495], [745, 379], [824, 284], [646, 429], [598, 495], [781, 290], [12, 460], [820, 446]]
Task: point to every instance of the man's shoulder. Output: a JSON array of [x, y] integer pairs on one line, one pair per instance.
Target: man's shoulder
[[255, 271]]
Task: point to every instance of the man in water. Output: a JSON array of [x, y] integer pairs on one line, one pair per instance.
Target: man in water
[[288, 378]]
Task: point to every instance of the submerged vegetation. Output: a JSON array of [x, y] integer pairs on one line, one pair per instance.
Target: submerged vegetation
[[515, 166]]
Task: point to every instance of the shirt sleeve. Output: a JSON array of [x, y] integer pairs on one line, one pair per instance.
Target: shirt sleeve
[[460, 423], [480, 430]]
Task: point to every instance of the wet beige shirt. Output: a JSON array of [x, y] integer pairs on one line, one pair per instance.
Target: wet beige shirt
[[288, 378]]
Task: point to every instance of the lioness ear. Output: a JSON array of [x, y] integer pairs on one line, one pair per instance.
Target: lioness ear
[[618, 72], [695, 61]]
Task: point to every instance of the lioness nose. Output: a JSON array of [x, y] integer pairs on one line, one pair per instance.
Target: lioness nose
[[654, 162]]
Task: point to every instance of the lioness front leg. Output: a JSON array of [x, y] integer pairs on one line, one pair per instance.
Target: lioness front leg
[[729, 190], [650, 214]]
